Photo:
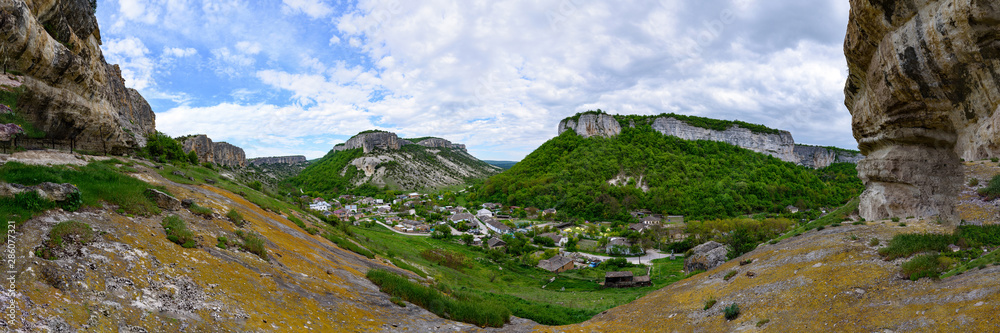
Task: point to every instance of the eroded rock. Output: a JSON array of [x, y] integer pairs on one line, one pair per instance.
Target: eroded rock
[[923, 91], [220, 153], [46, 190], [706, 257], [163, 200]]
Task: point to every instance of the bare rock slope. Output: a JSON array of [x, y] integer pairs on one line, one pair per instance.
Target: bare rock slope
[[70, 92], [923, 89]]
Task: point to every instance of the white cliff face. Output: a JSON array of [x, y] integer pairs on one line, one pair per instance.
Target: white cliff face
[[588, 125], [820, 157], [781, 145]]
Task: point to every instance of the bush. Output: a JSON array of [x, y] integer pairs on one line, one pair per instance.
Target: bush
[[178, 232], [64, 236], [223, 242], [931, 265], [992, 189], [979, 236], [615, 264], [732, 311], [253, 243], [449, 259], [873, 242], [995, 160], [348, 245], [904, 245], [199, 210], [763, 322], [235, 216], [162, 148], [973, 182], [468, 309], [710, 303], [895, 219], [729, 275]]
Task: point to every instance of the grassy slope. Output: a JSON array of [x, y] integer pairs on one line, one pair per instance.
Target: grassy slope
[[519, 287]]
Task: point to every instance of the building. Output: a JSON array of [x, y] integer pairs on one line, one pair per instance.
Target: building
[[462, 217], [551, 211], [351, 208], [321, 206], [559, 240], [618, 245], [484, 212], [495, 243], [495, 226], [557, 264], [625, 280], [650, 220], [641, 228]]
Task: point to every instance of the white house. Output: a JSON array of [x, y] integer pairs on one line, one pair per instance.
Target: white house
[[320, 206], [484, 212]]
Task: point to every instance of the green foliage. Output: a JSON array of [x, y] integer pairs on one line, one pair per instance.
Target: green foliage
[[324, 175], [441, 232], [543, 241], [904, 245], [64, 234], [710, 303], [223, 242], [763, 322], [732, 311], [256, 185], [178, 232], [9, 97], [992, 190], [348, 245], [162, 148], [297, 222], [253, 243], [930, 265], [406, 266], [236, 217], [468, 309], [973, 182], [742, 235], [698, 179], [895, 219], [446, 258], [979, 236], [729, 275], [615, 264], [199, 210], [873, 242]]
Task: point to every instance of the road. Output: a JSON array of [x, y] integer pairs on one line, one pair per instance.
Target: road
[[649, 256]]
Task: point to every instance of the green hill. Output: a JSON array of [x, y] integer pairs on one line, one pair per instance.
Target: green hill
[[604, 178]]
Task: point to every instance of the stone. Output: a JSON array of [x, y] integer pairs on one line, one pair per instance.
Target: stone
[[187, 203], [46, 190], [178, 173], [780, 145], [4, 109], [821, 157], [923, 90], [290, 160], [163, 200], [9, 131], [220, 153], [706, 256], [371, 141], [440, 143], [587, 125], [210, 181], [70, 91]]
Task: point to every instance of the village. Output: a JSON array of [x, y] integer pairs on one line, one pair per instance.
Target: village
[[492, 226]]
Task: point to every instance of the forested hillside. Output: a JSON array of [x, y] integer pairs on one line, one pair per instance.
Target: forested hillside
[[604, 178]]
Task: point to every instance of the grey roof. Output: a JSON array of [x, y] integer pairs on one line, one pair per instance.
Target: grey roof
[[496, 224], [554, 263], [619, 242], [494, 242], [618, 274], [462, 216], [555, 237]]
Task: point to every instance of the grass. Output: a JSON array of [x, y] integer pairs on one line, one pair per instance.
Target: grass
[[63, 234], [449, 259], [905, 245], [731, 312], [236, 217], [348, 245], [729, 275], [710, 303], [199, 210], [929, 265], [575, 296], [836, 216], [763, 322], [178, 232], [406, 266], [992, 189], [464, 307], [939, 258], [973, 182], [253, 243], [223, 242]]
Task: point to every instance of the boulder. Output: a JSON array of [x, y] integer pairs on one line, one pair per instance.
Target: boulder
[[187, 203], [163, 200], [49, 191], [8, 131], [923, 93], [706, 257]]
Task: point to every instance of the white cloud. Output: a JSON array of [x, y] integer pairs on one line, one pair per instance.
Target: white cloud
[[132, 57], [313, 8], [251, 48], [229, 63], [179, 52], [334, 40]]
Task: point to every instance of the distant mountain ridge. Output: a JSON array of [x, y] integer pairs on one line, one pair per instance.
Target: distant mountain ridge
[[501, 164], [378, 159], [758, 138]]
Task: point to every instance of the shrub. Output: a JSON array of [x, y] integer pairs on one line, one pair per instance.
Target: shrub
[[398, 301], [902, 224], [930, 265], [710, 303], [992, 189], [468, 309], [199, 210], [615, 264], [995, 160], [873, 242], [449, 259], [763, 322], [732, 311], [162, 148], [65, 236], [895, 219], [858, 223], [729, 275], [223, 242], [973, 182], [348, 245], [235, 216], [978, 236], [253, 243], [178, 232], [904, 245], [746, 262]]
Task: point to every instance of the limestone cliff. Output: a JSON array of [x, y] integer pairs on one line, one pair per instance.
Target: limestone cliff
[[370, 141], [779, 144], [439, 143], [220, 153], [70, 92], [821, 157], [923, 90], [298, 159]]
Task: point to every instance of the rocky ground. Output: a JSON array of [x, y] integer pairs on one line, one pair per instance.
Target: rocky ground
[[971, 207]]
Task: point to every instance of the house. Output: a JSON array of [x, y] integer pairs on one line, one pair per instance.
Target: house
[[650, 220], [412, 212], [551, 211], [504, 217], [620, 246], [462, 217], [414, 195], [557, 264], [792, 209], [484, 212], [379, 201], [341, 213], [640, 227], [495, 243], [321, 206], [625, 280], [675, 219], [560, 241], [351, 208], [495, 226]]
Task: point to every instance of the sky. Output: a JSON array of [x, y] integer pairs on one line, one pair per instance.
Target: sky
[[295, 77]]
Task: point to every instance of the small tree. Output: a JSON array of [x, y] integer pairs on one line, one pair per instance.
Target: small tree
[[467, 239]]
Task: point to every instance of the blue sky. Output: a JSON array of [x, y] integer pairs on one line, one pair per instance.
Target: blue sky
[[295, 77]]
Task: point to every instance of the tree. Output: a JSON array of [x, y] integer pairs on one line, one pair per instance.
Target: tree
[[467, 239], [441, 232]]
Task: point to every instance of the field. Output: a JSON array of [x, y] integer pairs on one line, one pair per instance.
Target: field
[[574, 296]]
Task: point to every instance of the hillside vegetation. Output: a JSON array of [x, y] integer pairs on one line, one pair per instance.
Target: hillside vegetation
[[699, 179]]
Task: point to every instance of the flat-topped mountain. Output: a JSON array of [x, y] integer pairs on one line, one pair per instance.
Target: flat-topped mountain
[[220, 153], [377, 159], [754, 137], [297, 159]]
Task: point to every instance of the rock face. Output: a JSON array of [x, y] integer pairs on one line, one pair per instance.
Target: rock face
[[371, 141], [778, 145], [923, 90], [588, 125], [220, 153], [48, 191], [705, 257], [440, 143], [70, 92], [163, 200], [278, 160], [821, 157]]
